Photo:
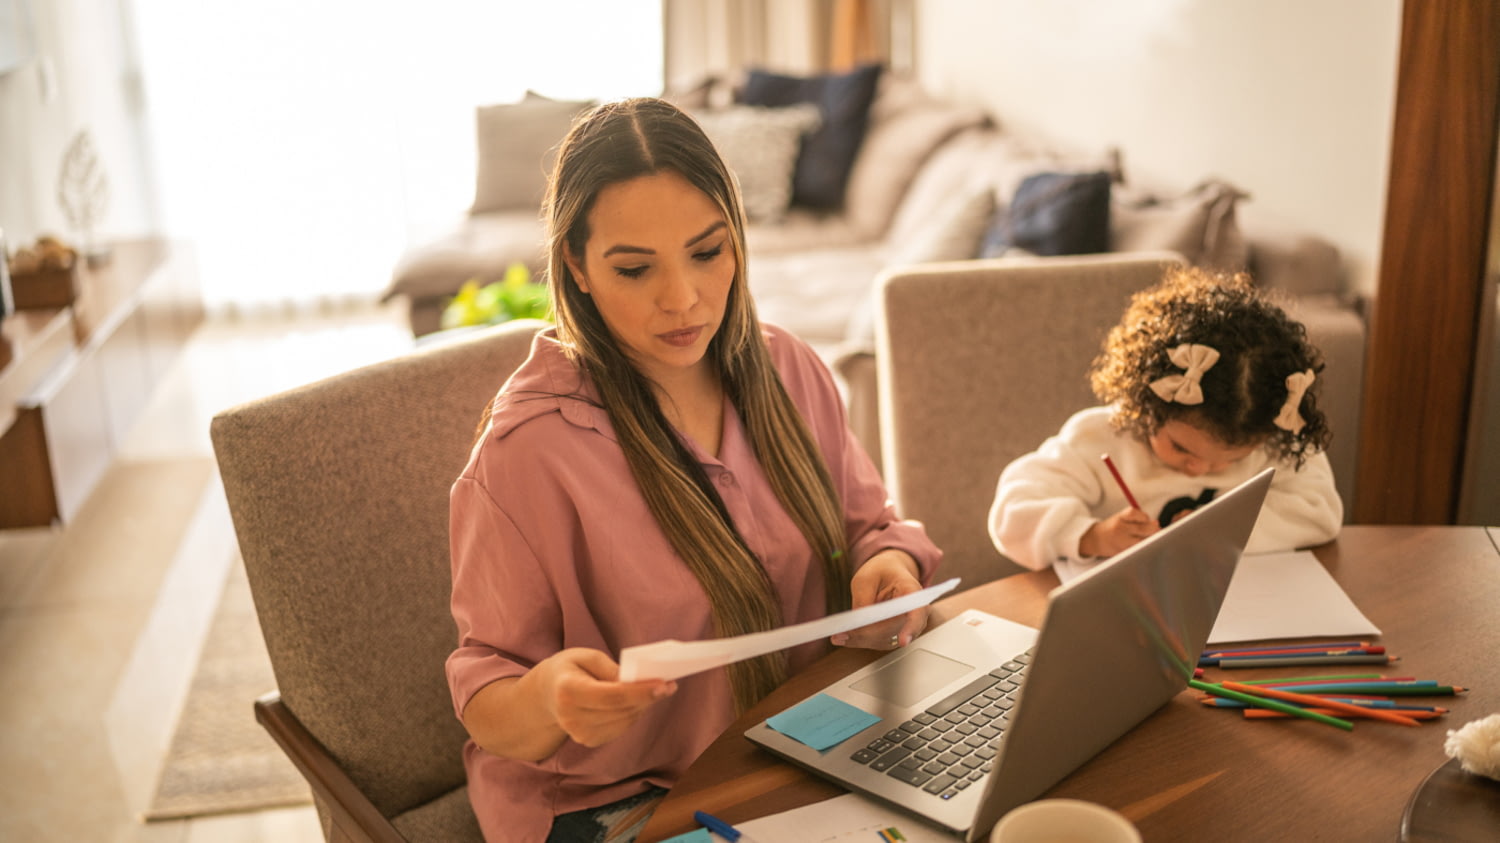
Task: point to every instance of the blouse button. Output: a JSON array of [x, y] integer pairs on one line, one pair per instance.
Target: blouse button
[[726, 479]]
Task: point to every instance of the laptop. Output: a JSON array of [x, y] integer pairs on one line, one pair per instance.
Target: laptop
[[981, 714]]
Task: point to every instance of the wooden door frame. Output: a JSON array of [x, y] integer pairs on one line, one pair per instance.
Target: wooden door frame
[[1425, 321]]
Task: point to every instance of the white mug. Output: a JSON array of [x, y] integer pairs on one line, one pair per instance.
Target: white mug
[[1064, 821]]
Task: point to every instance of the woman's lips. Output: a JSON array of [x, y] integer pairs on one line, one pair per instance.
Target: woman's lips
[[682, 338]]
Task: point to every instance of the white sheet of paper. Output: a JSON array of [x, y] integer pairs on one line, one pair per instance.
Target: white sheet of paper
[[1286, 595], [672, 659], [850, 817]]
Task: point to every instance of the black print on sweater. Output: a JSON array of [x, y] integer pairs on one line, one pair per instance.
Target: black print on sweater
[[1183, 504]]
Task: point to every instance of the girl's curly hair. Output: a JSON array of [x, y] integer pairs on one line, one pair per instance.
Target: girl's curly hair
[[1258, 345]]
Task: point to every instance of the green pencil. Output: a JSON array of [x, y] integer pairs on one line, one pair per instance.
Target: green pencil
[[1276, 705]]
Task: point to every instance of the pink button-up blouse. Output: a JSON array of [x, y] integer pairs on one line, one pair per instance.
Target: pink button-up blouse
[[553, 547]]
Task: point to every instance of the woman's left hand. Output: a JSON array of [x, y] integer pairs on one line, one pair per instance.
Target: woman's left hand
[[887, 575]]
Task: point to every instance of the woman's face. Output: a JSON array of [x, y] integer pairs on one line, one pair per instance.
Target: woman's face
[[1193, 451], [659, 266]]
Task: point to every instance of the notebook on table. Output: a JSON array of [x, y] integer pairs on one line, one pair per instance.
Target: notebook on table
[[958, 742]]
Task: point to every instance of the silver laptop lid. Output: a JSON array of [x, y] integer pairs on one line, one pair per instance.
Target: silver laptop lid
[[1116, 644]]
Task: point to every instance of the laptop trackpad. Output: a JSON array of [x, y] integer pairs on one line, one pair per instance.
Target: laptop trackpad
[[911, 678]]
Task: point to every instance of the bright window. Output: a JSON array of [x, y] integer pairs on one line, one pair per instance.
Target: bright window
[[302, 144]]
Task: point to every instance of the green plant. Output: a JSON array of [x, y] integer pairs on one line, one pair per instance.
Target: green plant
[[514, 296]]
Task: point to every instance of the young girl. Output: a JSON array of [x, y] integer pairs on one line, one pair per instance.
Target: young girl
[[1206, 384], [662, 466]]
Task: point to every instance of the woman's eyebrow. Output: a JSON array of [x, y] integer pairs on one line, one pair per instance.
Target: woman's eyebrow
[[623, 248], [706, 232], [633, 250]]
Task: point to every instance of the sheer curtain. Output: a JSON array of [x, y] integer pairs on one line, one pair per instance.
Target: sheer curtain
[[300, 145]]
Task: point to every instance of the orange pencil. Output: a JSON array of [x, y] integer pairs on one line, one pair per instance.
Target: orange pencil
[[1110, 464], [1304, 699], [1268, 714]]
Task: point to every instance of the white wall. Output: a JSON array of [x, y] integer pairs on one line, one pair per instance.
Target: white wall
[[1291, 100], [82, 76]]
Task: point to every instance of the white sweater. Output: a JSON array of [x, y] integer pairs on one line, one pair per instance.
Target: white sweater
[[1049, 498]]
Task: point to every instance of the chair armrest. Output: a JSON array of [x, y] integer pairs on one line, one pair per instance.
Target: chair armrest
[[353, 816]]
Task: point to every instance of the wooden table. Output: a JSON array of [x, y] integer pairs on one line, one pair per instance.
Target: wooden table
[[1192, 772]]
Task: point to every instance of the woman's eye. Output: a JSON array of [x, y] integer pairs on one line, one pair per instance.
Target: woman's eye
[[709, 254], [630, 271]]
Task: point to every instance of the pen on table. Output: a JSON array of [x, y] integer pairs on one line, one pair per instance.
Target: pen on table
[[1220, 691], [1321, 702], [718, 826], [1129, 498]]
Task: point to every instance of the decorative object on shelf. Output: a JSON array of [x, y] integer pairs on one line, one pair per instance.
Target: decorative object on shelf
[[515, 296], [44, 275], [83, 193]]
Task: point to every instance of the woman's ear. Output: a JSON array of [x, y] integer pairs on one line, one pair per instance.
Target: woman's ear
[[575, 268]]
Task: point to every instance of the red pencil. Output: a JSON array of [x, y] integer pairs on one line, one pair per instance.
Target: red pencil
[[1110, 464], [1304, 699]]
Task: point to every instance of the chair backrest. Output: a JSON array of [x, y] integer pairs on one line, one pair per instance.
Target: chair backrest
[[977, 363], [339, 496]]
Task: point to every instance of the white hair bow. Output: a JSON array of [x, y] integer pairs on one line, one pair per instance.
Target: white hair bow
[[1290, 419], [1186, 387]]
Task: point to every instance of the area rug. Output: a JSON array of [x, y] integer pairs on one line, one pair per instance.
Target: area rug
[[220, 759]]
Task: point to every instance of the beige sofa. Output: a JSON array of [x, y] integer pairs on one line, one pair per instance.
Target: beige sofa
[[928, 181]]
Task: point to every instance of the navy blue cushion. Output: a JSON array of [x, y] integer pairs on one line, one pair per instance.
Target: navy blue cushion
[[827, 155], [1054, 214]]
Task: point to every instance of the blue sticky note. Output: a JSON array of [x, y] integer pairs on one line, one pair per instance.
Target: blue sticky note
[[697, 835], [822, 722]]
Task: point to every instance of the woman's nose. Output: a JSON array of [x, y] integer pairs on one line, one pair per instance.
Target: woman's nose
[[677, 292]]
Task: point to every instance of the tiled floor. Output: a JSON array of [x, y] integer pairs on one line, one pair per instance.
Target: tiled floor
[[101, 621]]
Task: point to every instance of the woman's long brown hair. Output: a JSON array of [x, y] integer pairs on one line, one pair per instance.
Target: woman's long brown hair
[[629, 139]]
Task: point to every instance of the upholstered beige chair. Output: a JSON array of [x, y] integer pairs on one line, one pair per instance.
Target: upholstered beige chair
[[978, 362], [339, 495]]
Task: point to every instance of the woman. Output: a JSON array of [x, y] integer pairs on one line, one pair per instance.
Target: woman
[[662, 466]]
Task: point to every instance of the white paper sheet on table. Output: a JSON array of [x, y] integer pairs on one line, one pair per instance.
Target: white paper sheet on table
[[1286, 595], [850, 817], [672, 659]]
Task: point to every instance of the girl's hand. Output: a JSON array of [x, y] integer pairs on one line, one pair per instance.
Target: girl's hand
[[580, 693], [887, 575], [1116, 533]]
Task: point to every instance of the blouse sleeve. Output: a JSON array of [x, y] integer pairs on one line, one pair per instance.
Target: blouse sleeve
[[505, 609]]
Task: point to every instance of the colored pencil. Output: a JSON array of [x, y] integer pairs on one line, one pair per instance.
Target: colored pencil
[[1289, 646], [1288, 696], [1220, 702], [1267, 714], [1401, 689], [1296, 661], [1330, 678], [1130, 498], [1220, 691], [1292, 651]]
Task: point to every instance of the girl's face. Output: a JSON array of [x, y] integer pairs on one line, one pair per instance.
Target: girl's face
[[1194, 452], [659, 266]]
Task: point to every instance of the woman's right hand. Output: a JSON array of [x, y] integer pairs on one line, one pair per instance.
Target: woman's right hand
[[1116, 533], [573, 694]]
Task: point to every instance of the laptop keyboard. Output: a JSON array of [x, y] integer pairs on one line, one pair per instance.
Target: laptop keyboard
[[950, 746]]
